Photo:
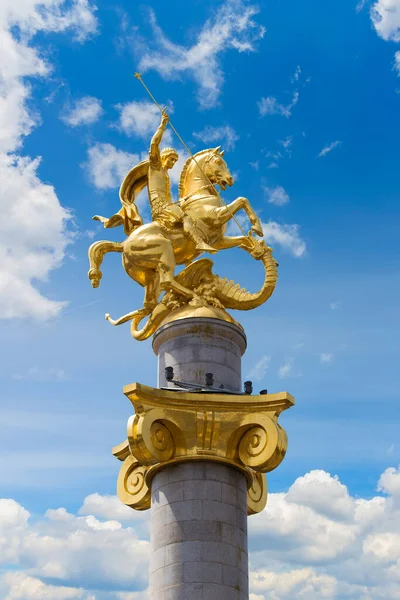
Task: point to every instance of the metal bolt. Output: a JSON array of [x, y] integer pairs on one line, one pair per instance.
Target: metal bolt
[[209, 379], [169, 373], [248, 387]]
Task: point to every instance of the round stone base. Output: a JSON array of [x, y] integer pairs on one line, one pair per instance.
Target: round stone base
[[199, 345]]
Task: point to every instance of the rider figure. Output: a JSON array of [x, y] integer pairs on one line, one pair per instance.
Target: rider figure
[[163, 209]]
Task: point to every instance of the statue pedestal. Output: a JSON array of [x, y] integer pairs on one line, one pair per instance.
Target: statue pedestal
[[198, 459], [196, 346]]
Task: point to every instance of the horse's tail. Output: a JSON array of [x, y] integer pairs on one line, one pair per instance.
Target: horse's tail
[[96, 255]]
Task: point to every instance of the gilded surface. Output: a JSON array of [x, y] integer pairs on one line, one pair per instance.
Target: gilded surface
[[178, 234], [170, 427]]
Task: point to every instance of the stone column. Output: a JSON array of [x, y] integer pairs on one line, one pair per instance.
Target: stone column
[[199, 533], [196, 346], [197, 460]]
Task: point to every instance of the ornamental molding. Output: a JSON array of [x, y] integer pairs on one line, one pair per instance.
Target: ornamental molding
[[171, 427]]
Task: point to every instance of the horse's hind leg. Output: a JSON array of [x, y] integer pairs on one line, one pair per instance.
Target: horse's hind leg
[[152, 291], [166, 269]]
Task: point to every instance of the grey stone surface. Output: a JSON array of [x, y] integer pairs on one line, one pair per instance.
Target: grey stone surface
[[199, 534], [196, 346], [184, 591], [220, 592]]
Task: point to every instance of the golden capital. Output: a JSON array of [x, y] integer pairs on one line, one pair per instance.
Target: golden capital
[[170, 427]]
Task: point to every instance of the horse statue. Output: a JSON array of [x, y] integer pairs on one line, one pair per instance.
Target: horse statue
[[151, 251]]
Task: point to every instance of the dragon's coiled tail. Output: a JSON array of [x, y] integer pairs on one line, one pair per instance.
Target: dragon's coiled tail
[[235, 297], [96, 254]]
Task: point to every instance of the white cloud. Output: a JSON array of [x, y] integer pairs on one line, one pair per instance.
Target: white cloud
[[107, 166], [286, 143], [255, 165], [21, 586], [33, 239], [13, 522], [109, 508], [287, 236], [385, 15], [326, 149], [325, 357], [360, 5], [298, 583], [276, 195], [232, 28], [270, 106], [397, 62], [142, 119], [389, 482], [260, 368], [286, 369], [32, 230], [85, 552], [314, 541], [86, 110], [224, 135], [334, 305], [40, 374], [296, 75]]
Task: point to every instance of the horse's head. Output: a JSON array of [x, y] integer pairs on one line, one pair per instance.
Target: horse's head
[[216, 168], [205, 166]]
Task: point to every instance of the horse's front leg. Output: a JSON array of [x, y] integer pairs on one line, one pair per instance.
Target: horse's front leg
[[225, 213], [238, 241]]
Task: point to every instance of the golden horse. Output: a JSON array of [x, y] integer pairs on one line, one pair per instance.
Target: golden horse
[[152, 251]]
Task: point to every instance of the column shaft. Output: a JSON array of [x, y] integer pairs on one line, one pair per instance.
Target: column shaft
[[199, 533]]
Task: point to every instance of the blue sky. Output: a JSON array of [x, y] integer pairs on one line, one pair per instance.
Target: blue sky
[[305, 99]]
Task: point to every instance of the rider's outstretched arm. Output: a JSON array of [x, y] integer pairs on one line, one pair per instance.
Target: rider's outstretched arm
[[155, 156]]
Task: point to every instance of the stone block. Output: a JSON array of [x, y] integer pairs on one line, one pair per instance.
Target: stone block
[[187, 472], [219, 553], [166, 576], [157, 559], [167, 494], [241, 539], [241, 519], [219, 592], [228, 494], [202, 572], [224, 474], [231, 576], [188, 531], [202, 490], [188, 510], [183, 552], [184, 591], [160, 479], [219, 512], [235, 578], [242, 560]]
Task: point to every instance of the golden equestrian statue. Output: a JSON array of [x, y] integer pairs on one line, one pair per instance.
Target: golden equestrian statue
[[178, 234]]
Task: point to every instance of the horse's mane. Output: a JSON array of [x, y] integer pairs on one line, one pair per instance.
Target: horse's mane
[[186, 166]]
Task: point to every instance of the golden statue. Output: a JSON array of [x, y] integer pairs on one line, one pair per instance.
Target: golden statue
[[178, 234]]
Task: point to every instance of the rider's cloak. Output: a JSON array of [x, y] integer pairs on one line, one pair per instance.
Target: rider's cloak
[[128, 215]]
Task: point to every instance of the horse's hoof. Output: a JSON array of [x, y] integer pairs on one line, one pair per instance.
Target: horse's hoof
[[257, 229]]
